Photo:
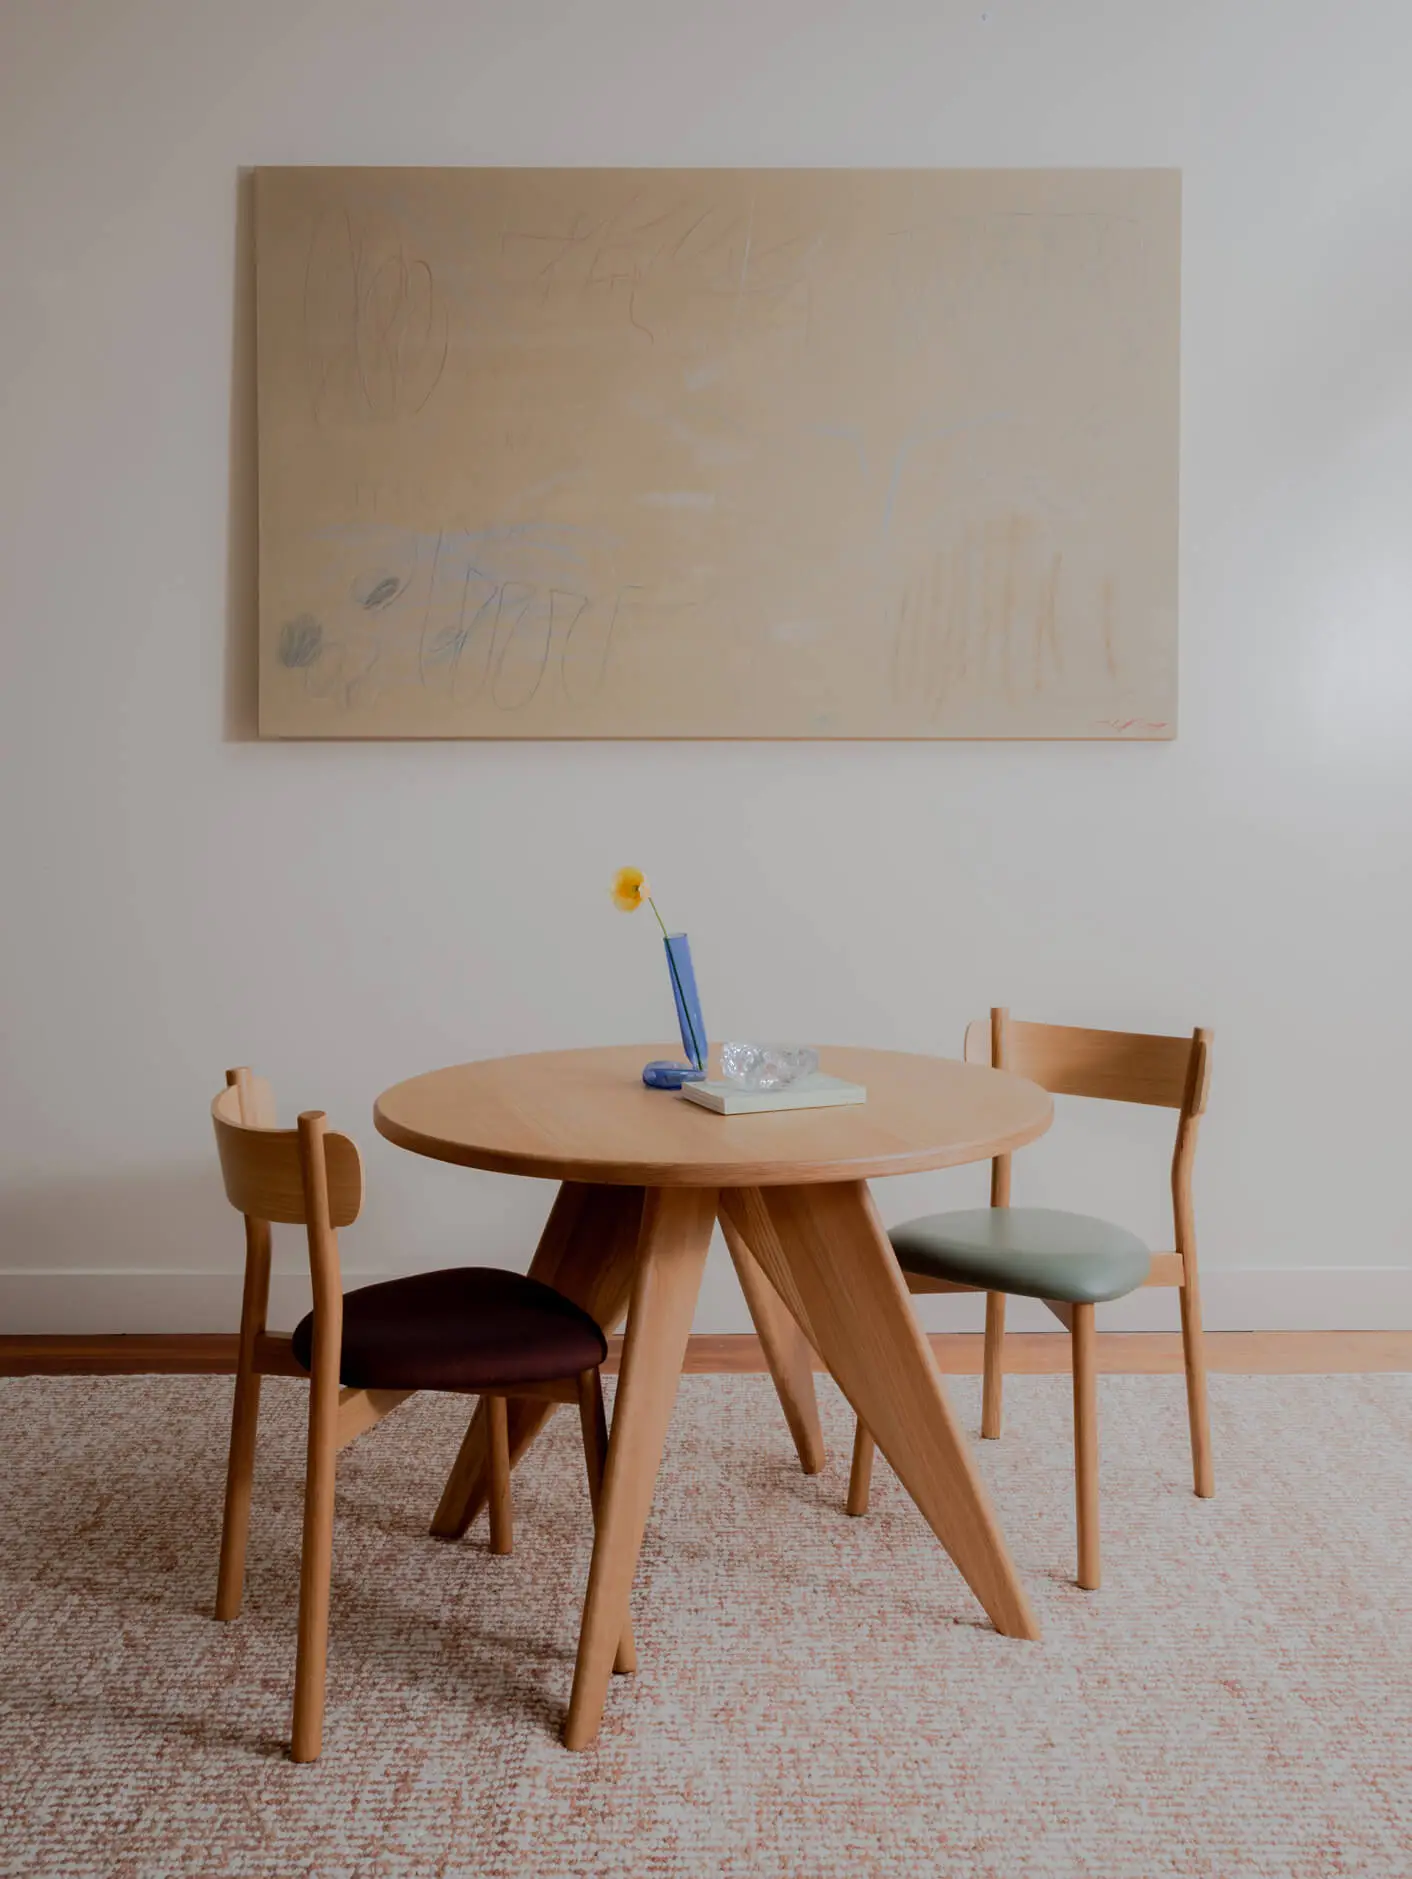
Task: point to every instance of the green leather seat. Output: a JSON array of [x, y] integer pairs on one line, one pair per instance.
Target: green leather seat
[[1035, 1252]]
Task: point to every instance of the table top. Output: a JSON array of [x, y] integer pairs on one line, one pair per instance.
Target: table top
[[585, 1115]]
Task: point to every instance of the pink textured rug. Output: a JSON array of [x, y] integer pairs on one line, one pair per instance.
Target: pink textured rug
[[818, 1698]]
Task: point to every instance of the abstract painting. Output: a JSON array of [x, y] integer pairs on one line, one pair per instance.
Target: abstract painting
[[718, 453]]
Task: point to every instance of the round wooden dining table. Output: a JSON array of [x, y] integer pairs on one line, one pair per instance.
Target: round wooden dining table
[[644, 1176]]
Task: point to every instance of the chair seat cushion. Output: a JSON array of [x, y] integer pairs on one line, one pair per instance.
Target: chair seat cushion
[[1037, 1252], [473, 1328]]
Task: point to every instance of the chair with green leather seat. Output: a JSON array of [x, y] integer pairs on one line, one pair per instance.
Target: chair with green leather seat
[[1071, 1261]]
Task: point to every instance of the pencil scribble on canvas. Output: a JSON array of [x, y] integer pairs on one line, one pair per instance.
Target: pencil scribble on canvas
[[718, 453], [300, 642], [375, 324]]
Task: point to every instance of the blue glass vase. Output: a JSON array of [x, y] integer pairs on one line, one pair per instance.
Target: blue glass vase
[[662, 1075]]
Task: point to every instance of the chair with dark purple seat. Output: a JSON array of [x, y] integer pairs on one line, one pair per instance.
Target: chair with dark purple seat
[[473, 1330]]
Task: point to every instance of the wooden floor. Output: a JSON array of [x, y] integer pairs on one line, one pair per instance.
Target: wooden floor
[[1132, 1353]]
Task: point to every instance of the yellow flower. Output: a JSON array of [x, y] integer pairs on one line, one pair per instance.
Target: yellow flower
[[630, 889]]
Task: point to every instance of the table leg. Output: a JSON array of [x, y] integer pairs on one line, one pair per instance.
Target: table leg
[[676, 1232], [587, 1251], [786, 1349], [836, 1259]]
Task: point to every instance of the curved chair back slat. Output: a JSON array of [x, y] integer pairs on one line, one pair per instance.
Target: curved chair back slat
[[1119, 1066], [255, 1100], [261, 1164]]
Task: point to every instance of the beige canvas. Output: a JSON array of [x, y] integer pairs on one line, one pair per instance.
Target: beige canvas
[[718, 453]]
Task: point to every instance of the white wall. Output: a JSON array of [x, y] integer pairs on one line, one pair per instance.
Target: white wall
[[178, 898]]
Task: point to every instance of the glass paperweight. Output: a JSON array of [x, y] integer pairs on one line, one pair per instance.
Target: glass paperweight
[[767, 1066]]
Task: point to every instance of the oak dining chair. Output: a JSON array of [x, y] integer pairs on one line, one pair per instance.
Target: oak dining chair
[[1072, 1262], [477, 1331]]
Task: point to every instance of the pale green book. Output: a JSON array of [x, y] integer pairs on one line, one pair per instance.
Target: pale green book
[[812, 1092]]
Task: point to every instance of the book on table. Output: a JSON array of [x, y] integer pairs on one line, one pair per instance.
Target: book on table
[[809, 1092]]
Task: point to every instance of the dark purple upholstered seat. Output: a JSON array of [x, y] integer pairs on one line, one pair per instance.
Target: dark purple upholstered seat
[[472, 1328]]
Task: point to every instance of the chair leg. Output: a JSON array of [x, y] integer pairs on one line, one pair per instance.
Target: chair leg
[[1194, 1351], [1083, 1344], [993, 1385], [240, 1473], [502, 1519], [316, 1569], [593, 1420], [244, 1420], [860, 1475]]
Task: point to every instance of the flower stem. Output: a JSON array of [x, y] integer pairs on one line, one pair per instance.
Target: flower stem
[[660, 921]]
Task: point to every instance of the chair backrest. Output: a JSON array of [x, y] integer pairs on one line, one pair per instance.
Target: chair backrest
[[306, 1176], [1118, 1066]]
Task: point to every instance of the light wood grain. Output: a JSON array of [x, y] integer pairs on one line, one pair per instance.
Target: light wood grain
[[316, 1553], [593, 1422], [586, 1116], [993, 1388], [274, 1356], [1090, 1575], [676, 1232], [1120, 1066], [255, 1163], [925, 1282], [1000, 1167], [786, 1351], [978, 1043], [557, 1390], [254, 1106], [1166, 1269], [992, 1394], [262, 1171], [255, 1099], [745, 1208], [865, 1330], [1193, 1338], [244, 1421], [315, 1574], [502, 1531], [587, 1251], [1173, 1072], [860, 1473], [361, 1410]]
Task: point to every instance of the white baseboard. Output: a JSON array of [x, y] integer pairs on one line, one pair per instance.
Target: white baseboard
[[82, 1304], [1360, 1298]]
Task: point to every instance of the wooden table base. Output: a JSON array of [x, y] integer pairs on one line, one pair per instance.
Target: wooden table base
[[824, 1248], [587, 1251], [676, 1233], [817, 1270], [786, 1350]]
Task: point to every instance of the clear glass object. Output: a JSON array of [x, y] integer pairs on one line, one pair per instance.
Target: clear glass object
[[767, 1066]]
